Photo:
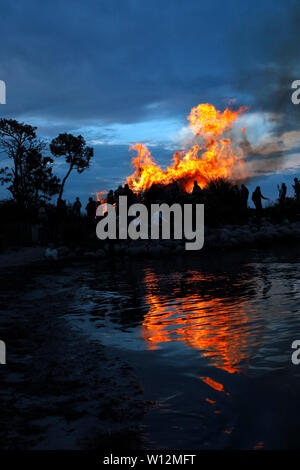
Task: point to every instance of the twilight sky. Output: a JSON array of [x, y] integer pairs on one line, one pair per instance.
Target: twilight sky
[[121, 71]]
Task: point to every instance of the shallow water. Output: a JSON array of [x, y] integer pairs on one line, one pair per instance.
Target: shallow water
[[209, 340]]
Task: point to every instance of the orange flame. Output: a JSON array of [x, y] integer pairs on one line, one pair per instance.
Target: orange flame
[[101, 196], [212, 158]]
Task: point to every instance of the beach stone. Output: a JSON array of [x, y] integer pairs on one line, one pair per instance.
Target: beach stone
[[51, 253]]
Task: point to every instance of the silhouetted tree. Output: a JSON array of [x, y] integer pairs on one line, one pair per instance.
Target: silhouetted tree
[[30, 175], [39, 182], [76, 153]]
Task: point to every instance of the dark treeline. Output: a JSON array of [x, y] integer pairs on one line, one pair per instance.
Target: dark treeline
[[30, 177]]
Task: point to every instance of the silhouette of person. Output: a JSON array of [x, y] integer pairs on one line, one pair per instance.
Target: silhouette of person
[[77, 207], [244, 196], [296, 187], [256, 198], [196, 189], [91, 208], [131, 197], [197, 193], [110, 197], [236, 190], [118, 192], [282, 192]]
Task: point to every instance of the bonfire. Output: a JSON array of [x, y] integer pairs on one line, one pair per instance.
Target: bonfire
[[209, 155]]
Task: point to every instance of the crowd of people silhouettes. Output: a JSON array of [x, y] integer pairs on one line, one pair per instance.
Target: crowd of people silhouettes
[[197, 196]]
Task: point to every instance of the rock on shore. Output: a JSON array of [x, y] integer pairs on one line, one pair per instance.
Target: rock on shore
[[226, 237]]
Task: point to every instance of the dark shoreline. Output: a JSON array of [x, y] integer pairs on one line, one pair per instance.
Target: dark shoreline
[[60, 390], [230, 237]]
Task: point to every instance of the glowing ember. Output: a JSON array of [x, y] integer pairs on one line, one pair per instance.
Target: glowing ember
[[203, 161]]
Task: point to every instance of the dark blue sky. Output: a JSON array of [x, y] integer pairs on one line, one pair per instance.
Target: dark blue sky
[[121, 71]]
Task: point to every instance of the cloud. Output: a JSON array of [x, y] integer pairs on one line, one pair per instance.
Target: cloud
[[131, 70], [130, 61]]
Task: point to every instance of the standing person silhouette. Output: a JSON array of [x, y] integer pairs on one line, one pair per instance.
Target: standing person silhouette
[[77, 207], [296, 187], [244, 196], [282, 192], [91, 209], [256, 198]]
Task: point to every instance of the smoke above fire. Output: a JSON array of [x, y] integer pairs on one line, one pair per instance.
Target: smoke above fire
[[207, 156]]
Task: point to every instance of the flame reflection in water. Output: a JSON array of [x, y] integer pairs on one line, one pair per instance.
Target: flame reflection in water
[[219, 329]]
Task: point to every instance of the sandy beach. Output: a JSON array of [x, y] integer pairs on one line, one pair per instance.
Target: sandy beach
[[59, 390]]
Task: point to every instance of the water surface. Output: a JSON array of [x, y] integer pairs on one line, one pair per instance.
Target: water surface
[[209, 339]]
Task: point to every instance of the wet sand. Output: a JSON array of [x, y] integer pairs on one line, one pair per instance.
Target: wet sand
[[59, 390], [21, 256]]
